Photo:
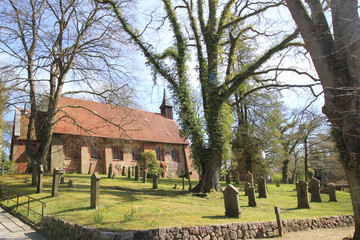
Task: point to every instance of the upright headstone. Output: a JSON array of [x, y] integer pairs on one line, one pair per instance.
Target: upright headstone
[[332, 194], [40, 179], [90, 166], [231, 200], [132, 171], [249, 179], [228, 181], [277, 184], [251, 197], [70, 183], [55, 185], [237, 178], [144, 176], [110, 172], [95, 188], [129, 172], [123, 171], [62, 179], [137, 173], [302, 195], [34, 175], [262, 187], [315, 190], [155, 181]]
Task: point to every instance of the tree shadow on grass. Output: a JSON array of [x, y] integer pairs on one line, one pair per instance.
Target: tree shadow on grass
[[217, 217], [74, 209]]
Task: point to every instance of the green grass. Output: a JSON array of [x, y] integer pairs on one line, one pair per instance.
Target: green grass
[[165, 206]]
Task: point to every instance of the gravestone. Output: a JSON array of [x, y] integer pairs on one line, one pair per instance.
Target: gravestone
[[55, 185], [129, 172], [40, 179], [302, 195], [315, 190], [249, 179], [70, 183], [90, 166], [332, 194], [262, 187], [110, 172], [62, 179], [123, 171], [251, 196], [231, 200], [34, 175], [228, 178], [236, 178], [155, 181], [277, 184], [144, 176], [95, 188], [137, 173], [132, 171]]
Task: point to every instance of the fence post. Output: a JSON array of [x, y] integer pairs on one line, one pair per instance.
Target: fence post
[[42, 212], [8, 196], [278, 220]]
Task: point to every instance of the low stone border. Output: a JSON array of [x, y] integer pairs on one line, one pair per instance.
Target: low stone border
[[58, 229]]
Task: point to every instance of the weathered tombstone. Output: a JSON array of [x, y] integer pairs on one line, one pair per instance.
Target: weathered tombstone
[[90, 166], [155, 181], [110, 172], [34, 175], [251, 197], [302, 195], [40, 179], [137, 173], [129, 172], [249, 179], [278, 220], [231, 200], [123, 171], [144, 176], [132, 171], [70, 183], [277, 184], [315, 190], [95, 188], [262, 187], [55, 185], [332, 194], [228, 178], [62, 179], [237, 178]]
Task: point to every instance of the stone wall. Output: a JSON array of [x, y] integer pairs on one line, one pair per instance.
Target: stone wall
[[59, 229]]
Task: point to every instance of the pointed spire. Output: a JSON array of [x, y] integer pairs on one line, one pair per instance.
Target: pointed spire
[[166, 107]]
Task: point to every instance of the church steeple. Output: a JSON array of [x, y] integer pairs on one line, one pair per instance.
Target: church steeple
[[166, 107]]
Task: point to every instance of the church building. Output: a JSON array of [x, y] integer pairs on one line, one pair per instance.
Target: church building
[[89, 136]]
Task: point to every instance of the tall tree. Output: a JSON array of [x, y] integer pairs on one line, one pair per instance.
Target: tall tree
[[216, 38], [332, 41], [50, 44]]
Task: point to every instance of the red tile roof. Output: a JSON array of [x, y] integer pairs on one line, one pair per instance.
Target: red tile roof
[[89, 118]]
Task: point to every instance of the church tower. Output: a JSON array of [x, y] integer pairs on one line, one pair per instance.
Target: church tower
[[166, 107]]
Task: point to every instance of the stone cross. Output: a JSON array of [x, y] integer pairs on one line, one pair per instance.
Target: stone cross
[[332, 194], [123, 171], [55, 185], [315, 190], [110, 172], [262, 187], [155, 181], [251, 196], [237, 178], [137, 173], [40, 179], [129, 172], [95, 188], [231, 200], [302, 195]]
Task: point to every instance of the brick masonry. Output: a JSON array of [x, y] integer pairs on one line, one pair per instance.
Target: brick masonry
[[58, 229]]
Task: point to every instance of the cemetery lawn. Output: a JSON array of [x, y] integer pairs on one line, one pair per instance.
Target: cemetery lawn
[[163, 207]]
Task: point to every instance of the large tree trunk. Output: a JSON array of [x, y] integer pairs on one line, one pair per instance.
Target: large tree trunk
[[285, 171], [354, 185], [210, 177]]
